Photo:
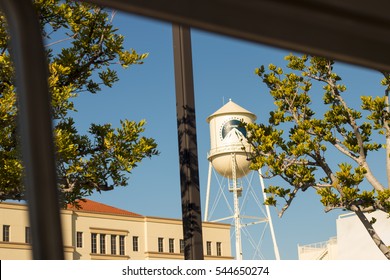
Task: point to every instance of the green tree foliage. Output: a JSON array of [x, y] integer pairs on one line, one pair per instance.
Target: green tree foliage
[[83, 48], [297, 142]]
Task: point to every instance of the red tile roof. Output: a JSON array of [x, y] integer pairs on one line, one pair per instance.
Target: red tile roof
[[97, 207]]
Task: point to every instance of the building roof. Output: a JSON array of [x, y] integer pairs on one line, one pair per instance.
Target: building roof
[[231, 108], [91, 206]]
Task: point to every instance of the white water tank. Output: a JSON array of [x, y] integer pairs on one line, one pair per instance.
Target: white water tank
[[228, 137]]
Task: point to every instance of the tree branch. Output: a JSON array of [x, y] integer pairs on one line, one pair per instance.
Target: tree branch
[[327, 170], [320, 186], [288, 202], [351, 122], [371, 178], [361, 160], [61, 40], [346, 152]]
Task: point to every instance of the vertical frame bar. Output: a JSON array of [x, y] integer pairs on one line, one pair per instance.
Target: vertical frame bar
[[35, 128], [188, 154]]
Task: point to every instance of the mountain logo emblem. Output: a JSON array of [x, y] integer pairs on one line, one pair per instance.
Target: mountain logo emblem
[[233, 127]]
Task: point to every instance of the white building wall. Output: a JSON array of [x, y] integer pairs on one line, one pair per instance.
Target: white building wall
[[354, 243], [333, 250]]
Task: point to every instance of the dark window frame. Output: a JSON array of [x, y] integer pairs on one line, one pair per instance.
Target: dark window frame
[[171, 245], [135, 243], [6, 233], [122, 245], [160, 244], [102, 245], [219, 248], [93, 243], [113, 244], [27, 235], [208, 248], [79, 239]]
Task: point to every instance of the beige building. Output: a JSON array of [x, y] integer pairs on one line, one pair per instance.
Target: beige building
[[98, 231]]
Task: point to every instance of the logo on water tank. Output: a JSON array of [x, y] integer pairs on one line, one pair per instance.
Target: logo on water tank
[[233, 128]]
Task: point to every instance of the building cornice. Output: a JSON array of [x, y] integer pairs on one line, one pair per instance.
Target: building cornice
[[109, 257], [15, 245], [108, 231]]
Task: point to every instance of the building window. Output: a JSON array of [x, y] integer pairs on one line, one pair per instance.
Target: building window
[[102, 243], [27, 235], [113, 244], [161, 244], [121, 245], [171, 245], [208, 248], [6, 229], [135, 243], [181, 246], [219, 249], [93, 243], [79, 239]]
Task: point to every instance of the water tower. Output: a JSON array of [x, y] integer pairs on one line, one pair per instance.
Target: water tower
[[228, 156]]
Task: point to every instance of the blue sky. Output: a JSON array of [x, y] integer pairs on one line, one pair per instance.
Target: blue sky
[[223, 69]]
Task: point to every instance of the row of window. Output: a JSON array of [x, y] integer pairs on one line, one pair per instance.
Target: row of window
[[102, 244], [218, 248], [113, 242], [95, 237], [7, 234], [171, 246]]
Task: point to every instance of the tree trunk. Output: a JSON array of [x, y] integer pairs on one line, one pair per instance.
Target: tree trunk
[[371, 231]]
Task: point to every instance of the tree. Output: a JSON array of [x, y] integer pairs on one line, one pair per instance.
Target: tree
[[297, 142], [83, 49]]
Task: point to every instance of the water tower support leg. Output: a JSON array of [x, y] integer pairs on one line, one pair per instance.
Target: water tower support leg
[[276, 249], [237, 218], [206, 211]]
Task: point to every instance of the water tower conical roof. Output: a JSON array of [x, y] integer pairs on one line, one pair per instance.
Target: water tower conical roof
[[231, 108]]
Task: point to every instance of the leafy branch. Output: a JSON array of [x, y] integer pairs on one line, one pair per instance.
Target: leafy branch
[[294, 144]]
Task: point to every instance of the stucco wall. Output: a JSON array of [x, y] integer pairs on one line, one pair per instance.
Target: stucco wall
[[147, 229], [354, 243]]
